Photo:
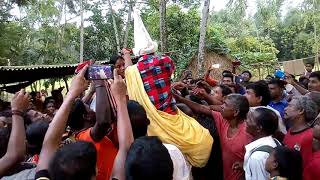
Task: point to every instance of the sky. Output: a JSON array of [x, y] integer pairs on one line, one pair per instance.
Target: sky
[[215, 5]]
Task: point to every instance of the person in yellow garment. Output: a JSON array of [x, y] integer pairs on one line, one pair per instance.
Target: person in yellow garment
[[149, 83]]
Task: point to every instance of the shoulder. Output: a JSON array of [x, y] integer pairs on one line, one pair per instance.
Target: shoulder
[[84, 135]]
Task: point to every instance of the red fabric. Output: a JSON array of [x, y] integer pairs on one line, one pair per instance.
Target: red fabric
[[106, 154], [155, 72], [210, 81], [35, 159], [302, 142], [233, 149], [312, 170]]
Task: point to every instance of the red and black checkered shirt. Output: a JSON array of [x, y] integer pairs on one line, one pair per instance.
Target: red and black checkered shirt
[[156, 74]]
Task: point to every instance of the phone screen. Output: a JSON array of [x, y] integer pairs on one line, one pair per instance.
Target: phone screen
[[97, 72]]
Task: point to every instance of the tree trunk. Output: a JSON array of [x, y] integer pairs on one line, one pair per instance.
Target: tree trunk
[[81, 31], [163, 27], [66, 82], [126, 33], [203, 30], [115, 27]]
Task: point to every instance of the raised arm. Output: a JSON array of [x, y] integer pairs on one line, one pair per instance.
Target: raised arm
[[290, 80], [127, 58], [16, 147], [103, 112], [208, 79], [195, 107], [124, 129], [58, 125]]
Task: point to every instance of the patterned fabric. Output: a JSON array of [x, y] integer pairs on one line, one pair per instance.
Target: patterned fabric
[[156, 74]]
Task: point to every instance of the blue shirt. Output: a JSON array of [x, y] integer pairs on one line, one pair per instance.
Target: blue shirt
[[279, 106]]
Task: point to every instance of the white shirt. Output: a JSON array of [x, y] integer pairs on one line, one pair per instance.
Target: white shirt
[[254, 163], [281, 126], [181, 167]]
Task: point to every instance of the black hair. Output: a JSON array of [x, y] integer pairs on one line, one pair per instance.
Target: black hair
[[289, 162], [267, 120], [241, 103], [229, 75], [35, 134], [76, 116], [225, 90], [138, 118], [47, 101], [114, 58], [74, 161], [315, 74], [261, 88], [4, 140], [148, 159], [226, 72], [281, 84], [250, 75], [312, 64]]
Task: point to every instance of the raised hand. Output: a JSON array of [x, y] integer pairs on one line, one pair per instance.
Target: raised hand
[[118, 87], [79, 84], [20, 101]]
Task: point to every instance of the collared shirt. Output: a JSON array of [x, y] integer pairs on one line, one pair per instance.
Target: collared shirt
[[155, 72], [281, 126], [254, 162], [300, 141], [279, 106]]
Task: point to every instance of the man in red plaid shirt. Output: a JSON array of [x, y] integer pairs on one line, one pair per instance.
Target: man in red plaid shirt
[[156, 74]]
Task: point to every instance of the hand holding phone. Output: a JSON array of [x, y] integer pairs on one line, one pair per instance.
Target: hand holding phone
[[99, 72]]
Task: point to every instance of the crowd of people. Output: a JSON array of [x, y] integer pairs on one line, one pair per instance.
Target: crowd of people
[[149, 127]]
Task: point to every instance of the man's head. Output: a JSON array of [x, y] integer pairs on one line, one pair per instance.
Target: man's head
[[148, 158], [35, 116], [315, 96], [269, 78], [314, 83], [246, 76], [261, 122], [258, 94], [301, 108], [119, 64], [74, 161], [79, 116], [227, 79], [309, 67], [276, 88], [35, 135], [221, 91], [138, 118], [235, 106]]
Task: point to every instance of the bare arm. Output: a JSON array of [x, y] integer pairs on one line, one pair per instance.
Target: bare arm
[[127, 58], [103, 112], [58, 125], [16, 147], [195, 107], [124, 129], [301, 90]]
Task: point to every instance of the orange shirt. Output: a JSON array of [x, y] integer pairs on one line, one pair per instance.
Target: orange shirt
[[106, 154]]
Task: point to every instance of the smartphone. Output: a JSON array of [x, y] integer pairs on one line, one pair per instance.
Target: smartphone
[[238, 79], [99, 72]]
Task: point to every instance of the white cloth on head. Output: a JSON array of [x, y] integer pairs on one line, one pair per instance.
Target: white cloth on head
[[181, 167], [281, 126], [143, 43], [254, 162]]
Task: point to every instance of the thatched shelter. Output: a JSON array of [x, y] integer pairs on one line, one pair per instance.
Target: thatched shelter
[[210, 58]]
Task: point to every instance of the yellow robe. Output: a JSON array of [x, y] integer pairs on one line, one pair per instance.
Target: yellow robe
[[186, 133]]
